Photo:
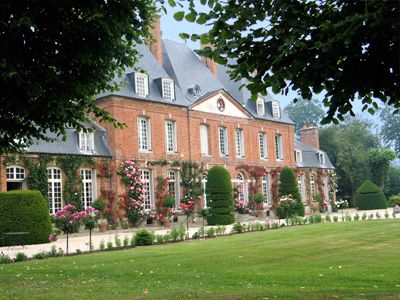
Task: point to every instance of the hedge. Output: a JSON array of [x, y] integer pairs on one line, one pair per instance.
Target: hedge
[[369, 196], [24, 211], [219, 197], [288, 187]]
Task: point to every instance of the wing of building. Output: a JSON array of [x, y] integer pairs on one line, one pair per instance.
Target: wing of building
[[179, 107]]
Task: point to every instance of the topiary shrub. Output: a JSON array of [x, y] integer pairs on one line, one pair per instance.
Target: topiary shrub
[[369, 196], [144, 238], [24, 211], [288, 187], [219, 197]]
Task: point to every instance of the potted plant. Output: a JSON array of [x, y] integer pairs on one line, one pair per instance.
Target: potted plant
[[99, 205], [259, 202]]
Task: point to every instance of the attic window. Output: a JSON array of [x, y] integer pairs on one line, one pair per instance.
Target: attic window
[[276, 111], [321, 158], [260, 107], [86, 142], [298, 156], [141, 85], [168, 91]]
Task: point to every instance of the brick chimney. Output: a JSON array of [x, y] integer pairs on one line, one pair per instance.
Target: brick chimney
[[309, 135], [208, 62], [156, 46]]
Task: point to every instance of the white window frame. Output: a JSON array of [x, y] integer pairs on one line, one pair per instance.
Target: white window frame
[[171, 144], [89, 191], [298, 157], [239, 143], [204, 144], [173, 180], [260, 105], [223, 141], [16, 175], [312, 185], [55, 189], [265, 184], [300, 183], [278, 147], [86, 142], [147, 179], [263, 145], [144, 138], [321, 158], [242, 184], [142, 91], [204, 183], [168, 89], [276, 110]]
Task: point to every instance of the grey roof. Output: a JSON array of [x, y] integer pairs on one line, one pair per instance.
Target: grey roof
[[71, 144], [310, 157]]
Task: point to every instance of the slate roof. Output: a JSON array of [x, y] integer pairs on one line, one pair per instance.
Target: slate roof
[[71, 144], [310, 157]]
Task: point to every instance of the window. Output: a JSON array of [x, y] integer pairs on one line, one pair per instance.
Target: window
[[239, 143], [88, 187], [276, 111], [172, 185], [147, 189], [144, 134], [141, 85], [300, 185], [204, 183], [321, 158], [54, 190], [168, 89], [260, 107], [265, 188], [278, 147], [262, 138], [223, 141], [312, 185], [241, 187], [15, 178], [298, 156], [86, 142], [170, 137], [204, 139]]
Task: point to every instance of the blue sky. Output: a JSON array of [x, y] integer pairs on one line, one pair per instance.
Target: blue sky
[[171, 29]]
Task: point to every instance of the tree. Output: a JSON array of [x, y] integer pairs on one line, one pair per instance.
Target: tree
[[390, 130], [392, 182], [347, 146], [349, 49], [304, 112], [379, 164], [288, 187], [219, 197], [56, 56], [369, 196]]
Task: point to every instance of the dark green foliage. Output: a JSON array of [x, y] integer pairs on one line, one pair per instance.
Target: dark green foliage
[[238, 228], [169, 202], [99, 205], [56, 55], [288, 187], [219, 197], [25, 211], [20, 257], [308, 47], [144, 238], [369, 196]]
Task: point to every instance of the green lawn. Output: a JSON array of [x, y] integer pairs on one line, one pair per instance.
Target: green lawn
[[351, 260]]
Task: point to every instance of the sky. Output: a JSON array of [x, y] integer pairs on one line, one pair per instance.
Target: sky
[[171, 30]]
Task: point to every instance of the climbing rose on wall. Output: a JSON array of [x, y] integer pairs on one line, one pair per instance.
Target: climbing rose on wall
[[132, 200]]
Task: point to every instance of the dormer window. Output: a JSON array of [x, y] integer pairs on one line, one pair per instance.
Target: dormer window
[[298, 156], [321, 158], [141, 85], [260, 107], [86, 142], [276, 110], [168, 90]]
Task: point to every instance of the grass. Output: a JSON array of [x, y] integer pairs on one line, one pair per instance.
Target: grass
[[350, 260]]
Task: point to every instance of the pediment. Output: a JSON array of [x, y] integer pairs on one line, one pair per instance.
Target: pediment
[[220, 103]]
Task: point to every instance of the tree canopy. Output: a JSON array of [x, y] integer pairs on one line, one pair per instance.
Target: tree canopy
[[55, 56], [304, 112], [346, 49], [390, 130]]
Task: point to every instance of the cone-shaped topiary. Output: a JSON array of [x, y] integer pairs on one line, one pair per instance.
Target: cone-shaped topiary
[[288, 187], [369, 196], [219, 197], [24, 211]]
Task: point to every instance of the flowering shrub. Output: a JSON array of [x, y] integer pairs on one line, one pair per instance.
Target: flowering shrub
[[341, 204], [132, 201], [188, 207], [112, 210], [67, 219], [53, 237], [241, 207], [287, 207], [104, 169], [90, 217]]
